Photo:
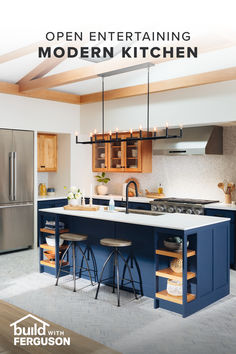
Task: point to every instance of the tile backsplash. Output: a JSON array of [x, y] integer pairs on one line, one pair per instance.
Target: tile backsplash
[[187, 176], [43, 178]]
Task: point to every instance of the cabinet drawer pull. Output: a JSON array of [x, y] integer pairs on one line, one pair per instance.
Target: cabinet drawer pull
[[42, 166]]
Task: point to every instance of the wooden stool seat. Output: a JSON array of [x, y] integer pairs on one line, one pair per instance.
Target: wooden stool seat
[[113, 242], [73, 237]]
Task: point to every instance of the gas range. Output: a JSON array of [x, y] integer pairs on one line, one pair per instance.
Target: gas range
[[180, 205]]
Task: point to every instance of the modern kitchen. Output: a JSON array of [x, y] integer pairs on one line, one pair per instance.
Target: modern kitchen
[[117, 199]]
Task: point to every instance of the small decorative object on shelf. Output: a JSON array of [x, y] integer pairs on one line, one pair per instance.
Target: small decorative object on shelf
[[227, 188], [102, 189], [74, 196], [174, 243], [174, 287], [176, 265]]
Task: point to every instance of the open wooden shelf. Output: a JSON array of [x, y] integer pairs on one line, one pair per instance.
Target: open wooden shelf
[[52, 264], [165, 252], [168, 273], [52, 248], [177, 299], [52, 232]]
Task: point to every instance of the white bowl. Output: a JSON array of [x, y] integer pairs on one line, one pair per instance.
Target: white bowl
[[51, 194], [51, 241]]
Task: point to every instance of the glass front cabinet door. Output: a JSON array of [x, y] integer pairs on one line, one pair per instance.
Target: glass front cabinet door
[[100, 155], [125, 156], [116, 155]]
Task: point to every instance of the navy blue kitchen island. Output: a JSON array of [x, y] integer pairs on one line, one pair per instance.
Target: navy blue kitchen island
[[205, 273]]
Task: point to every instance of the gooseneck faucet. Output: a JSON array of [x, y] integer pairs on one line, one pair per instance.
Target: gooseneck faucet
[[127, 197]]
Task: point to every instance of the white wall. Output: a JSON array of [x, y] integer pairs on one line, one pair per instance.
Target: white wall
[[190, 106], [188, 176], [62, 178]]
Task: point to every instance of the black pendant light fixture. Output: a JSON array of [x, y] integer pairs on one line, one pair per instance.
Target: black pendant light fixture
[[153, 136]]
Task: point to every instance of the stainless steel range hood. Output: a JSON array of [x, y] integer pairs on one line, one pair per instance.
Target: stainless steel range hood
[[195, 141]]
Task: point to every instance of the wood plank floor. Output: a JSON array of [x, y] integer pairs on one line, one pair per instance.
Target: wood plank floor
[[79, 343]]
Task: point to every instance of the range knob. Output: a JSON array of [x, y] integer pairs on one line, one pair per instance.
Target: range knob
[[171, 209], [189, 211], [154, 207], [161, 208], [197, 211], [179, 210]]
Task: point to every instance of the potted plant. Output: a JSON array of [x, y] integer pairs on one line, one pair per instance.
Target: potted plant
[[102, 188], [74, 196]]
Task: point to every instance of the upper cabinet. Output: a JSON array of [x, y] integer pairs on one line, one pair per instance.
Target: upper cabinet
[[47, 152], [125, 156]]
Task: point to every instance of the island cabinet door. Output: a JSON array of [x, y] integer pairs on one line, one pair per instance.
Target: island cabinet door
[[232, 215], [100, 155]]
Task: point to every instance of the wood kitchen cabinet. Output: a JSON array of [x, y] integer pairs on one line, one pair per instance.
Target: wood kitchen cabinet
[[125, 156], [47, 152]]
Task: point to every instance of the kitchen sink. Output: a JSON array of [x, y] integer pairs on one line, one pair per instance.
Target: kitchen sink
[[143, 212]]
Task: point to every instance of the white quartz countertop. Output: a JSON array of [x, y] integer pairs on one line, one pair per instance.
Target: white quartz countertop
[[47, 197], [222, 206], [168, 221]]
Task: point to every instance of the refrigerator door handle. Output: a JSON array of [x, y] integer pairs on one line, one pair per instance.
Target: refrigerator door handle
[[11, 181], [14, 175]]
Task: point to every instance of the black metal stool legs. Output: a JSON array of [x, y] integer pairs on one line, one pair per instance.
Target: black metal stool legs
[[132, 259], [83, 255], [90, 254], [117, 276], [115, 270], [73, 256], [103, 268], [130, 274], [62, 258]]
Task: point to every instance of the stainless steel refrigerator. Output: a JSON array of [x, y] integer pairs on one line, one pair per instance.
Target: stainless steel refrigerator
[[16, 189]]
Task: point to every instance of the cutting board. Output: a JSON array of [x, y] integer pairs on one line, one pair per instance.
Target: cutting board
[[82, 207], [131, 186], [154, 195]]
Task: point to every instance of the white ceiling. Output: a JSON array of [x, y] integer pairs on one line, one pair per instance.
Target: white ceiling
[[14, 70]]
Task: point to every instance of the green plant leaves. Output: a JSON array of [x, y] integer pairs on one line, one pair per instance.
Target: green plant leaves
[[102, 178]]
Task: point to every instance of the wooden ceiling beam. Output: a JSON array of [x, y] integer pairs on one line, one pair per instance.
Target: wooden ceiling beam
[[93, 71], [81, 74], [42, 69], [51, 95], [20, 52], [162, 86]]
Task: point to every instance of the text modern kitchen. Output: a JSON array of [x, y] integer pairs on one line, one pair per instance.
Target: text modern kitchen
[[117, 197]]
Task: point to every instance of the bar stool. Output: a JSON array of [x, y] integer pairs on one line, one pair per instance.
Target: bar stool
[[115, 244], [72, 239]]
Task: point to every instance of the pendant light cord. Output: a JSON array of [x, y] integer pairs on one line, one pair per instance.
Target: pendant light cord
[[103, 113], [148, 97]]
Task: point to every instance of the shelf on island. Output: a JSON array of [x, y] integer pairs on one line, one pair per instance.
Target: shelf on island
[[52, 248], [48, 231], [165, 252], [168, 273], [177, 299], [52, 264]]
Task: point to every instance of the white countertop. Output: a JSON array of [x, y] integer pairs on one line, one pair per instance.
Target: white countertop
[[47, 197], [167, 221], [222, 206]]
